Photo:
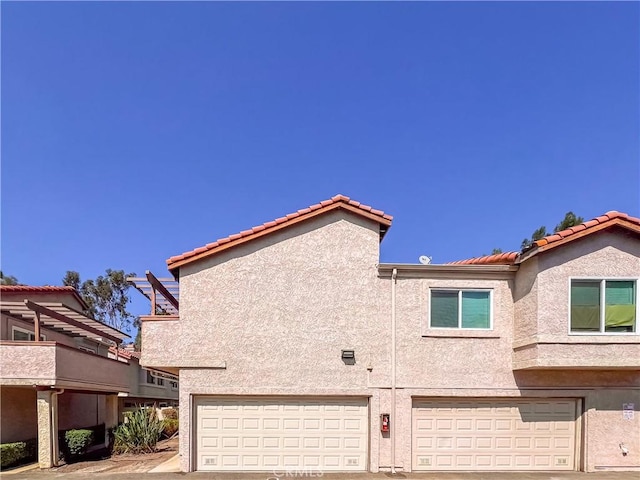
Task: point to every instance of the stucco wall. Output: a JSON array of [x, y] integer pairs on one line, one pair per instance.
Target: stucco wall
[[18, 419], [604, 255], [47, 363], [525, 297], [272, 316], [78, 410], [607, 428], [286, 306], [452, 358]]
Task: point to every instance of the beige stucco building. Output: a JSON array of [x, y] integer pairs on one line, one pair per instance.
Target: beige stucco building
[[300, 351], [60, 370]]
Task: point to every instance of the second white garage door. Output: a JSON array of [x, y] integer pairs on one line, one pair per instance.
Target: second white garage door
[[490, 434], [267, 434]]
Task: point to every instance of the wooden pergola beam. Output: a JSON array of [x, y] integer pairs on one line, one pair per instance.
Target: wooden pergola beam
[[39, 309], [157, 285]]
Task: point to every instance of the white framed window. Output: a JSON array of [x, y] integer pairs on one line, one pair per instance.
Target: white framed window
[[21, 335], [174, 385], [603, 306], [154, 379], [468, 309]]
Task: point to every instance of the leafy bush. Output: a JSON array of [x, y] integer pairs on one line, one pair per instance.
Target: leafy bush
[[170, 413], [74, 443], [17, 452], [77, 442], [170, 426], [139, 433]]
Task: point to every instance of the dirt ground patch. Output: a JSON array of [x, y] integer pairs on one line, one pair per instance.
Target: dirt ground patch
[[125, 463]]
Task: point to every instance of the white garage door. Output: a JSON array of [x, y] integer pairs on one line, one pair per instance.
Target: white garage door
[[494, 434], [267, 434]]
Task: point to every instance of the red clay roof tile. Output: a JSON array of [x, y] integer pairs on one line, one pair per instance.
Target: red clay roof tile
[[122, 353], [506, 258], [600, 220], [47, 289], [510, 258], [337, 201], [36, 289]]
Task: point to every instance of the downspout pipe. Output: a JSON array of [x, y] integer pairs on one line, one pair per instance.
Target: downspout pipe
[[394, 275], [54, 426]]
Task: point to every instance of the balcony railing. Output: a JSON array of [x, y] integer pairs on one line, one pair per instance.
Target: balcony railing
[[57, 365]]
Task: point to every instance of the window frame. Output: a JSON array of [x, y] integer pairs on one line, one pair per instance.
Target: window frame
[[157, 381], [603, 281], [14, 328], [148, 375], [460, 290]]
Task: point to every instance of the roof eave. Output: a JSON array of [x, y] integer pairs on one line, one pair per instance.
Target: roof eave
[[386, 269], [543, 245], [383, 221]]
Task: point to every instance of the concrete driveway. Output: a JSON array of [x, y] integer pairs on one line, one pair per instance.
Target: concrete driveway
[[45, 475]]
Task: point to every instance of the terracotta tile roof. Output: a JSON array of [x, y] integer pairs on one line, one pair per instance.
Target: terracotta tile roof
[[34, 289], [606, 220], [338, 201], [123, 353], [507, 258], [46, 289]]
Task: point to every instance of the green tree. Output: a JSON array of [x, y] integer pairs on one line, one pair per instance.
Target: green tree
[[536, 235], [8, 279], [496, 251], [107, 297], [137, 344], [570, 220]]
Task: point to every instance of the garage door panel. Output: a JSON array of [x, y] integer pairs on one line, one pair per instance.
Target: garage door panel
[[262, 434], [494, 434]]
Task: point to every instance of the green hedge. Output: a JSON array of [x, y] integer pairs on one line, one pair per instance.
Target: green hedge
[[17, 452], [75, 442], [78, 441]]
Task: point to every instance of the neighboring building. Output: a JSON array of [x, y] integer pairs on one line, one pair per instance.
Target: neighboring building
[[294, 343], [60, 369], [147, 388]]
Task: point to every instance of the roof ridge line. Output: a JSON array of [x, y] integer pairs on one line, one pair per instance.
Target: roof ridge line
[[265, 228]]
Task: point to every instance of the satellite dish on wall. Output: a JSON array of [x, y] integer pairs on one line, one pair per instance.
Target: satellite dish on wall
[[424, 260]]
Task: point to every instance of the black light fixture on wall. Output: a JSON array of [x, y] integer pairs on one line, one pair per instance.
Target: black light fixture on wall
[[349, 357]]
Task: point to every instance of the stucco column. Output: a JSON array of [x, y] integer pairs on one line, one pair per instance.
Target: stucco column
[[110, 416], [47, 408], [186, 429]]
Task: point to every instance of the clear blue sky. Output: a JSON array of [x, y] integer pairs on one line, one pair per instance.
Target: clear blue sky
[[132, 132]]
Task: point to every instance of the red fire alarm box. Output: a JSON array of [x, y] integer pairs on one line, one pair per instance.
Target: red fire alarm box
[[384, 422]]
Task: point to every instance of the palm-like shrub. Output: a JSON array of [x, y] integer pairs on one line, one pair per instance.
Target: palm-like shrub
[[139, 433]]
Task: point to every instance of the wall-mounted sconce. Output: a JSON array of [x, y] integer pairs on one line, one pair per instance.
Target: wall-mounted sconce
[[349, 357]]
